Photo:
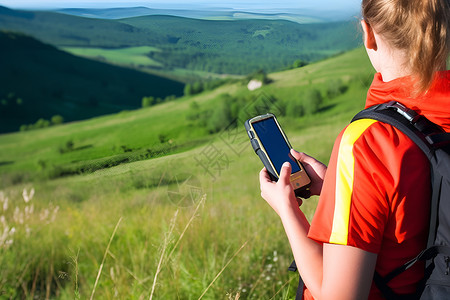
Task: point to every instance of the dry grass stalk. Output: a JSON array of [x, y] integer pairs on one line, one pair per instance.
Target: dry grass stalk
[[221, 271], [281, 288], [104, 258], [140, 281], [194, 214], [74, 263], [163, 251], [48, 284]]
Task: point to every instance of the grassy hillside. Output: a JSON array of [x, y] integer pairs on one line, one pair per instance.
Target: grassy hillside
[[225, 47], [40, 81], [186, 222]]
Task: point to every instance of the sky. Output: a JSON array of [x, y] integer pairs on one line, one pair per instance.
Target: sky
[[236, 4]]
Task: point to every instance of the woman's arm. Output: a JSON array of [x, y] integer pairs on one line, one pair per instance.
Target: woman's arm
[[329, 271]]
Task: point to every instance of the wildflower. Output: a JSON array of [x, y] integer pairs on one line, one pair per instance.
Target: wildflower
[[275, 256], [27, 196], [4, 200], [18, 216], [5, 204], [44, 214], [55, 211], [28, 211]]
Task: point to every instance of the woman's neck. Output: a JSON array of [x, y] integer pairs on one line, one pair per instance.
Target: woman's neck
[[391, 62]]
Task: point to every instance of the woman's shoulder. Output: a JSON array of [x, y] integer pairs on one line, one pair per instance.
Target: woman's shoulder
[[379, 148], [374, 136]]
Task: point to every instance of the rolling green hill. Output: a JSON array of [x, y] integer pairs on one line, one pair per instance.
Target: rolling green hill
[[225, 47], [146, 133], [65, 30], [40, 81], [241, 47]]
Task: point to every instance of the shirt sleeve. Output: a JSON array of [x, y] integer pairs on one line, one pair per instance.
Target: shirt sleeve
[[361, 186]]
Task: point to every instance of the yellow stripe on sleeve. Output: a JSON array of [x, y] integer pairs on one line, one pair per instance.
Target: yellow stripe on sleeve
[[344, 180]]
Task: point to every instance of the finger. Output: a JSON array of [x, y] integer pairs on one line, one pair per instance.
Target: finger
[[302, 157], [264, 176], [285, 174]]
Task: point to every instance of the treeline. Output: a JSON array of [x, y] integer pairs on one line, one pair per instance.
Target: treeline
[[246, 46], [201, 86], [43, 123], [148, 101], [229, 108], [13, 104], [232, 61]]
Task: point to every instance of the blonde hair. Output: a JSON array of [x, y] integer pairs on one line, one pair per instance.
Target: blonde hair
[[418, 27]]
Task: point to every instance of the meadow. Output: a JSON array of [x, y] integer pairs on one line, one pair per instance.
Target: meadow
[[129, 56], [150, 204]]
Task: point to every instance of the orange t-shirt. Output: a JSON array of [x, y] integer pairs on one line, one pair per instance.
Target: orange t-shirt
[[376, 191]]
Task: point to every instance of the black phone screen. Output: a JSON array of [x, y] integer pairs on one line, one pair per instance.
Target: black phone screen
[[273, 141]]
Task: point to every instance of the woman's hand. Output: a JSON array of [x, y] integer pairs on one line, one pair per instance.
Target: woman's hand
[[315, 169], [280, 195]]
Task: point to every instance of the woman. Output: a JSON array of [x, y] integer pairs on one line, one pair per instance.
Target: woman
[[374, 197]]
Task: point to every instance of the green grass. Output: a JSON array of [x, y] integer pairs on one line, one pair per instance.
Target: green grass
[[229, 245], [131, 56]]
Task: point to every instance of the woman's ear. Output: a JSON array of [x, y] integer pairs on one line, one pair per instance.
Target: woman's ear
[[369, 37]]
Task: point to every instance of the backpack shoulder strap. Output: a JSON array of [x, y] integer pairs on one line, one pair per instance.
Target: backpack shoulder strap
[[428, 137]]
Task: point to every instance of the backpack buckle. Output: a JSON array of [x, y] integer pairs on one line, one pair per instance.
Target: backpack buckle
[[411, 115]]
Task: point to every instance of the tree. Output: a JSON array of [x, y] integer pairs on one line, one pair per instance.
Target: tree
[[335, 88], [162, 138], [42, 123], [260, 75], [299, 63], [222, 116], [188, 90], [312, 101], [56, 120], [148, 101], [294, 108], [197, 88]]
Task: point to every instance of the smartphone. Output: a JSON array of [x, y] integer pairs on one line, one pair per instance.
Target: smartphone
[[273, 148]]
